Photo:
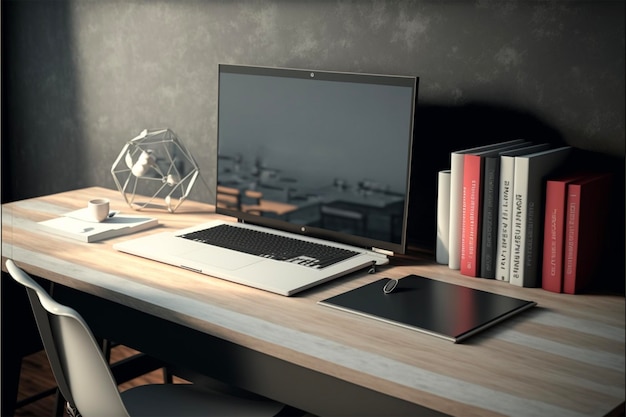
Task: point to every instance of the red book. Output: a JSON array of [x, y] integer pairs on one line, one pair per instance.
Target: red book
[[586, 223], [554, 232], [471, 206]]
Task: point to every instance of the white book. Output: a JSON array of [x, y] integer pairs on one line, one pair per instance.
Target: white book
[[443, 217], [505, 195], [456, 198], [528, 197], [77, 225]]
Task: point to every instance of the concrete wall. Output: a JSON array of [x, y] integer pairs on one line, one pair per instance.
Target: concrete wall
[[80, 78]]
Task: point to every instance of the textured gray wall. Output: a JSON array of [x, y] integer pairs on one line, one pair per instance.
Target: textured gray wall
[[82, 77]]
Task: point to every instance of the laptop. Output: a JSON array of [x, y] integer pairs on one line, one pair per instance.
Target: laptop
[[315, 160]]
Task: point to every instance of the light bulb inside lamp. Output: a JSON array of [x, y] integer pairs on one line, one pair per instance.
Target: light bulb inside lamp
[[143, 164]]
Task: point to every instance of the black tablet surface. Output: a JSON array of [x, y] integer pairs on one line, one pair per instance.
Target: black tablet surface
[[441, 309]]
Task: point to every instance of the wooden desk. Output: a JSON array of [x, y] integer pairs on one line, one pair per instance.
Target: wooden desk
[[563, 358]]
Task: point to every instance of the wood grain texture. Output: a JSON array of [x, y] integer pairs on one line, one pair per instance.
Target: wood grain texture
[[565, 357]]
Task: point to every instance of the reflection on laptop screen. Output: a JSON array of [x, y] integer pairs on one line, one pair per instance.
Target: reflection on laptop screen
[[320, 153]]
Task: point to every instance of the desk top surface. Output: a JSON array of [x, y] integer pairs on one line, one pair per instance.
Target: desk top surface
[[564, 357]]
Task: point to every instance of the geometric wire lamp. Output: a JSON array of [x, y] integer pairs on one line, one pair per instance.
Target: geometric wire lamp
[[155, 167]]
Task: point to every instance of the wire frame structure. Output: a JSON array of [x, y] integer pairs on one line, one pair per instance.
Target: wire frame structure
[[155, 170]]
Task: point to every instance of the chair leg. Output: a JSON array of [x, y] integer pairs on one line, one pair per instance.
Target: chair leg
[[59, 404], [106, 346], [167, 375]]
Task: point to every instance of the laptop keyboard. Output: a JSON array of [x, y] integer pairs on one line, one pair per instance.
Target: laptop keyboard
[[268, 245]]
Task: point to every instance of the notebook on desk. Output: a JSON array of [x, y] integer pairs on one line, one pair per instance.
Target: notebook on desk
[[316, 156], [449, 311]]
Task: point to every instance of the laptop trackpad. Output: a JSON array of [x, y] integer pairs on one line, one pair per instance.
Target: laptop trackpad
[[221, 258]]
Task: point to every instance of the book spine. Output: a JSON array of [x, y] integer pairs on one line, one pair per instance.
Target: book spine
[[571, 238], [456, 192], [553, 236], [587, 222], [519, 222], [491, 178], [443, 217], [471, 205], [503, 237], [530, 173]]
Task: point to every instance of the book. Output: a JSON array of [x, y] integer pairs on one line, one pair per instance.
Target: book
[[489, 217], [472, 198], [586, 223], [456, 195], [77, 225], [528, 198], [443, 217], [505, 193], [554, 232]]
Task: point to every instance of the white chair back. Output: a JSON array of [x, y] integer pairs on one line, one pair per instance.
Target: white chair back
[[79, 367]]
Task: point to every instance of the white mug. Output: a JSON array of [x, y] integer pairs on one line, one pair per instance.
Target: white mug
[[98, 209]]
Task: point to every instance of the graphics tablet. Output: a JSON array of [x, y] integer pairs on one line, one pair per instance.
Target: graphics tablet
[[441, 309]]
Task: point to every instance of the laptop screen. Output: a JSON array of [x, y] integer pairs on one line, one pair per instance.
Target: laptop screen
[[320, 153]]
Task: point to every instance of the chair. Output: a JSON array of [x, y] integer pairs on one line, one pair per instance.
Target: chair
[[86, 382], [17, 318]]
